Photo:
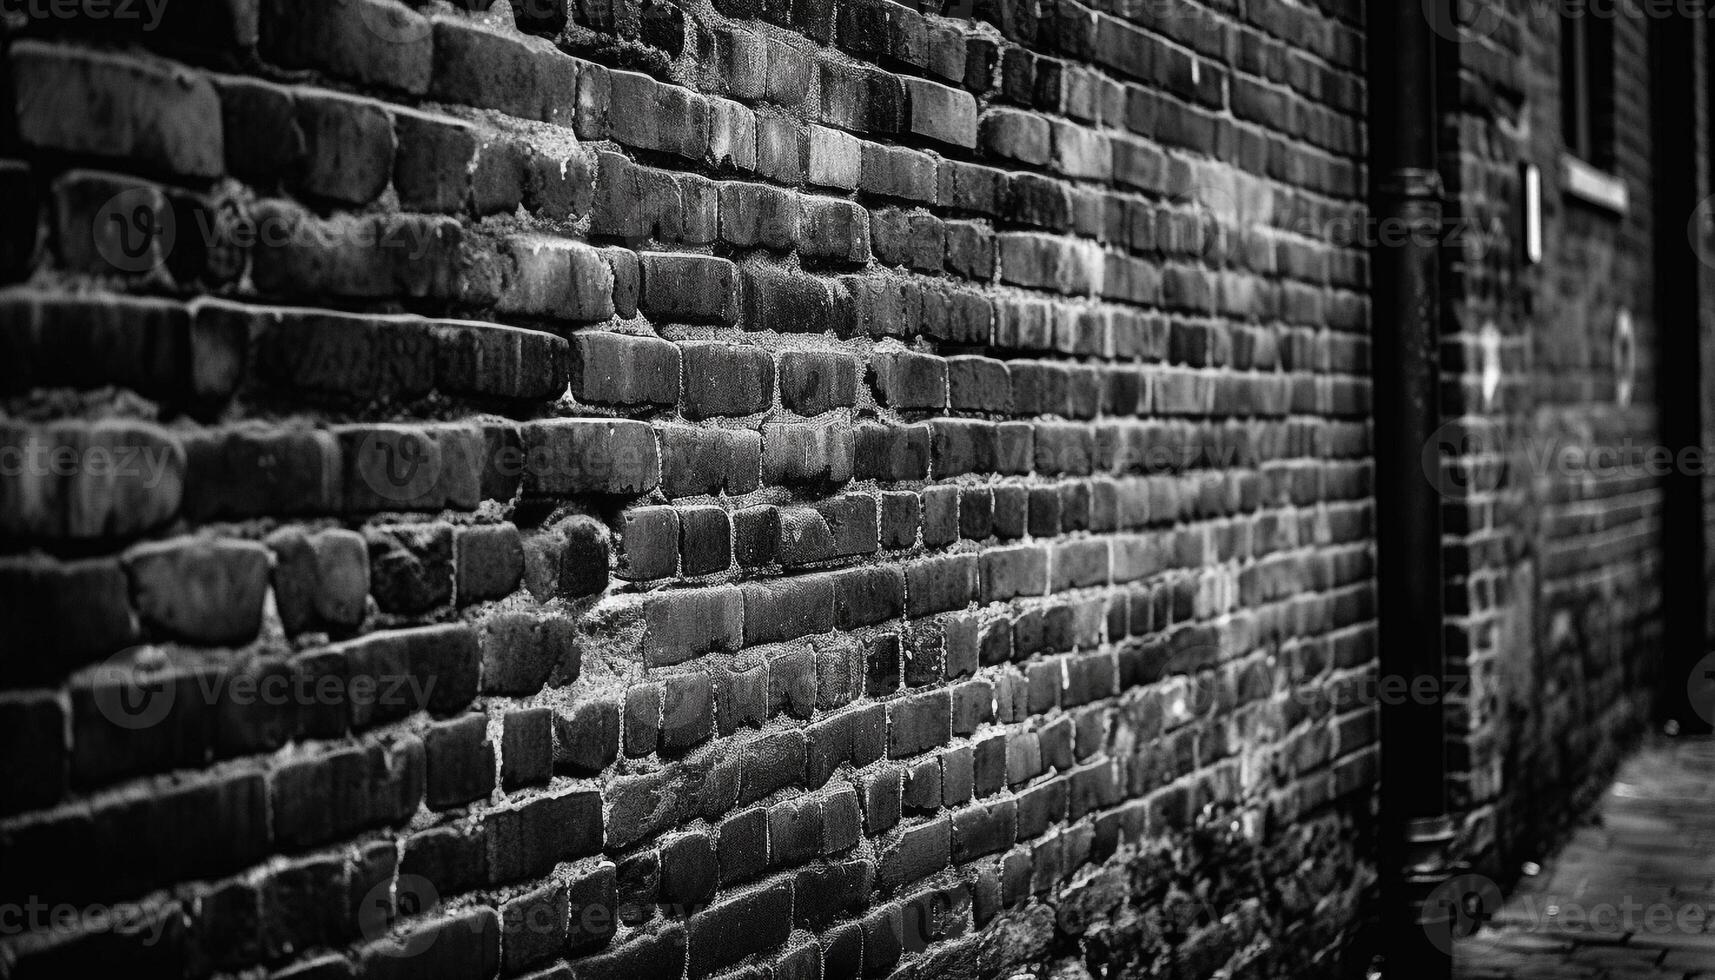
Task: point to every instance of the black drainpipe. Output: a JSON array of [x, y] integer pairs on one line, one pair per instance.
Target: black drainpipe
[[1679, 359], [1406, 193]]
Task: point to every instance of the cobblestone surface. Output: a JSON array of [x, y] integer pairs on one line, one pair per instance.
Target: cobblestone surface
[[1631, 895]]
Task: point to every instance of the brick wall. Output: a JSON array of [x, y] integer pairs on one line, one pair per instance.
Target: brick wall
[[1553, 562], [827, 488]]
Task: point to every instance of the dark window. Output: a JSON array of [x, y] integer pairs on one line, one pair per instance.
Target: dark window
[[1587, 86]]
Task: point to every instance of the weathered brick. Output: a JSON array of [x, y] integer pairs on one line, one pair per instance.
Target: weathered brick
[[155, 113], [568, 456], [681, 625], [725, 379], [557, 278], [688, 288]]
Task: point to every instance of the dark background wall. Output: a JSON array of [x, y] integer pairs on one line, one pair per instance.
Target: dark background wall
[[1555, 554]]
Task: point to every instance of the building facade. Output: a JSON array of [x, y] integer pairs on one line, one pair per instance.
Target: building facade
[[800, 488]]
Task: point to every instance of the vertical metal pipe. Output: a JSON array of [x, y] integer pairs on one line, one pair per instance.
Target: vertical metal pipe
[[1405, 311], [1677, 270]]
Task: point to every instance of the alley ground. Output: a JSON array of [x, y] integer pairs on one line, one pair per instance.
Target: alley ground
[[1633, 892]]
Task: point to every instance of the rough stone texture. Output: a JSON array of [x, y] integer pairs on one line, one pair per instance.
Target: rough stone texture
[[701, 475]]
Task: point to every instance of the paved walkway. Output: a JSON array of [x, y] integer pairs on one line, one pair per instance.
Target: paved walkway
[[1631, 895]]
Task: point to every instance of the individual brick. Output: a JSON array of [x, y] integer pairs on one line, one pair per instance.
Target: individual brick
[[696, 461], [756, 214], [321, 580], [489, 562], [157, 114], [642, 719], [521, 76], [349, 147], [835, 158], [918, 723], [777, 298], [570, 456], [648, 543], [755, 531], [958, 446], [410, 566], [743, 845], [898, 172], [732, 135], [813, 382], [557, 278], [705, 540], [940, 521], [689, 871], [655, 115], [738, 926], [527, 747], [908, 380], [915, 854], [851, 521], [940, 584], [792, 678], [801, 537], [1015, 135], [978, 384], [615, 368], [786, 609], [636, 203], [569, 559], [200, 590], [782, 149], [922, 787], [938, 112], [834, 229], [526, 841], [807, 452], [433, 161], [586, 738], [892, 452], [908, 238], [794, 831], [726, 379], [687, 711], [899, 518], [861, 98], [559, 184], [688, 288], [89, 502], [680, 625]]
